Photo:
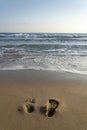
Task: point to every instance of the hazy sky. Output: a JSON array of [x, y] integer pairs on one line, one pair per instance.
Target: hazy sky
[[43, 16]]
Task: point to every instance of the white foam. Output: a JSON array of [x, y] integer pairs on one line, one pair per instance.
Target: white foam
[[18, 67]]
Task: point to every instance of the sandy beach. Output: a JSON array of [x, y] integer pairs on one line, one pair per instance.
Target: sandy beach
[[17, 87]]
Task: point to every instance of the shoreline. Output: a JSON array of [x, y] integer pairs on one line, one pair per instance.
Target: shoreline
[[32, 75]]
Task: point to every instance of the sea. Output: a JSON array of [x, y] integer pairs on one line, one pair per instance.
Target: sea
[[61, 52]]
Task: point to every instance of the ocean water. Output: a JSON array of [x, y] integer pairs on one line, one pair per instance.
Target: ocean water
[[44, 51]]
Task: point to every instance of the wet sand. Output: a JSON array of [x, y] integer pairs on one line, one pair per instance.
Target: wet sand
[[17, 87]]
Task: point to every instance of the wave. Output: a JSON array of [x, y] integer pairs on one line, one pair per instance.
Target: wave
[[59, 49], [50, 37], [45, 62], [35, 44], [50, 49]]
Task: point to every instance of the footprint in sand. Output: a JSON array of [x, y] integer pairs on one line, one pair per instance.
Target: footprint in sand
[[50, 108], [28, 106]]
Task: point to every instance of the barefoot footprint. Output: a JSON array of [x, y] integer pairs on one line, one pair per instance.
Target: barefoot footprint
[[48, 110], [28, 106], [51, 107]]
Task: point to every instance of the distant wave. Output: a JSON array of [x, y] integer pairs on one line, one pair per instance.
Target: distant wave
[[42, 37]]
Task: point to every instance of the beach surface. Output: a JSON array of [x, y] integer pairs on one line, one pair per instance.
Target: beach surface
[[17, 87]]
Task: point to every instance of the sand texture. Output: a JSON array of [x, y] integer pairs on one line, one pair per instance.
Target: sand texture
[[21, 104]]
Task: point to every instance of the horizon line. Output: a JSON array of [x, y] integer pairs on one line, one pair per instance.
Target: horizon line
[[48, 32]]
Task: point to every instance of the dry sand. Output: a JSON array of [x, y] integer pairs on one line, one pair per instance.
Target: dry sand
[[18, 87]]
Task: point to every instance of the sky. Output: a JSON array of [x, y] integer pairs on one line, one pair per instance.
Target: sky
[[58, 16]]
